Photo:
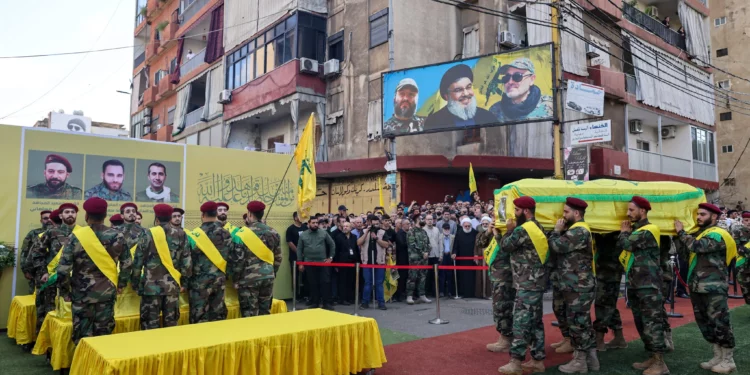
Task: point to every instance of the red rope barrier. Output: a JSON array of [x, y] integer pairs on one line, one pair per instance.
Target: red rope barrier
[[395, 267], [679, 278], [321, 264], [470, 258]]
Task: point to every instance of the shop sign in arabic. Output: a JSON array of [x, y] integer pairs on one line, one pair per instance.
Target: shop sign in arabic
[[591, 132], [361, 186], [235, 188]]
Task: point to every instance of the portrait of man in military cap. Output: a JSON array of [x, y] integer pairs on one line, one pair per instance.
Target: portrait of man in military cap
[[405, 102], [522, 99], [112, 182], [56, 181]]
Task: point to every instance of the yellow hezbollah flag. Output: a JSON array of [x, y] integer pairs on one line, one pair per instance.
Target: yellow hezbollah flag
[[304, 154], [380, 194], [472, 180]]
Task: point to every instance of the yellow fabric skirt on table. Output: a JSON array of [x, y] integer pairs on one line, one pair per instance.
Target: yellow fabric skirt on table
[[22, 319]]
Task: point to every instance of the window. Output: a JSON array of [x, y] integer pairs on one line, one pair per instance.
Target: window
[[155, 125], [724, 84], [273, 140], [158, 76], [725, 116], [336, 46], [170, 115], [720, 21], [703, 145], [722, 52], [729, 181], [472, 136], [643, 145], [471, 41], [312, 37], [727, 149], [379, 28]]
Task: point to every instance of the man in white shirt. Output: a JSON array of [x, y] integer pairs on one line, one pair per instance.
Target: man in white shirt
[[433, 233]]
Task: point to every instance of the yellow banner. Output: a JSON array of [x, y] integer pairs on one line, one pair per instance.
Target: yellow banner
[[304, 155], [251, 240], [208, 248], [472, 180], [162, 248], [97, 253], [626, 257]]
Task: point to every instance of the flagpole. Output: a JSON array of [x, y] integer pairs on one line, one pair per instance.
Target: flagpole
[[280, 183]]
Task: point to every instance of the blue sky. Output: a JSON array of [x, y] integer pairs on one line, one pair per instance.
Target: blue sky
[[50, 26]]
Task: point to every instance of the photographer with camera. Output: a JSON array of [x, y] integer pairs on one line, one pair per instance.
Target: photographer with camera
[[372, 247]]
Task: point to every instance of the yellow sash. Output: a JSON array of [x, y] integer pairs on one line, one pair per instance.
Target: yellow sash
[[740, 259], [52, 265], [251, 240], [97, 253], [490, 251], [538, 239], [728, 241], [208, 248], [626, 257], [230, 227], [132, 255], [160, 241], [584, 225]]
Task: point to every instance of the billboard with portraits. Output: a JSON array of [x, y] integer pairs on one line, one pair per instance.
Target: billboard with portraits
[[500, 89], [72, 123]]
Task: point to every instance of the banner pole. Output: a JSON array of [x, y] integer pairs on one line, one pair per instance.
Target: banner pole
[[455, 280], [356, 290], [281, 182], [672, 286], [437, 320], [294, 284]]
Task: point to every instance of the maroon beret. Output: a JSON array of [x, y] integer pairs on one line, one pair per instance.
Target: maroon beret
[[209, 206], [95, 206], [746, 215], [66, 206], [711, 208], [180, 210], [641, 202], [115, 219], [256, 206], [54, 158], [576, 203], [129, 204], [54, 215], [524, 202], [45, 212], [139, 213], [163, 210], [222, 204]]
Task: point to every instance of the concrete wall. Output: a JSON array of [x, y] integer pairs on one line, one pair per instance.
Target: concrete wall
[[679, 146]]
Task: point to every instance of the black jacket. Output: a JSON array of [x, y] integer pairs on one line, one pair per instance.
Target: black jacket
[[343, 245]]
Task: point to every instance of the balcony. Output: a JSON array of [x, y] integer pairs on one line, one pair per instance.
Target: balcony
[[193, 63], [704, 171], [189, 8], [149, 96], [166, 88], [152, 49], [170, 32], [193, 117], [653, 162], [610, 79], [648, 23], [608, 8]]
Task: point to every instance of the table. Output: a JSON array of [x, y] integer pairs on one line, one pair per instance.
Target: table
[[305, 342], [22, 319]]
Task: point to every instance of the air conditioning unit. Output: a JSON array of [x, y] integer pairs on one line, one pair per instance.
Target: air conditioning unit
[[147, 119], [507, 39], [668, 132], [726, 85], [331, 67], [654, 12], [308, 66], [636, 126], [225, 96], [591, 51], [147, 111]]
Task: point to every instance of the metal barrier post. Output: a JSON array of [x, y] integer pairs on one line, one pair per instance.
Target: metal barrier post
[[484, 278], [455, 281], [294, 284], [672, 286], [356, 290], [437, 320]]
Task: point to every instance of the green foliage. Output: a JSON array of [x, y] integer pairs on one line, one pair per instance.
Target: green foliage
[[162, 25]]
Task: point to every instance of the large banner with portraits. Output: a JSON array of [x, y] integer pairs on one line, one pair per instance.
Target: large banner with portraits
[[45, 168], [502, 89]]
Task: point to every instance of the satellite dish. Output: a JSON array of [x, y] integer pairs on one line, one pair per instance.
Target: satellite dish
[[78, 112]]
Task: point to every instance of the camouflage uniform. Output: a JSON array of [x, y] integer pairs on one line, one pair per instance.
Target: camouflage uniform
[[103, 192], [254, 277], [25, 260], [66, 192], [608, 279], [503, 292], [418, 244], [396, 126], [576, 282], [42, 252], [559, 308], [644, 286], [207, 284], [92, 294], [708, 286], [667, 277], [134, 235], [529, 279], [159, 292], [742, 237], [141, 196]]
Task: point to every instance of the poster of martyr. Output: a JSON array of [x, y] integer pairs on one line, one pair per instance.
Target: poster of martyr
[[501, 89]]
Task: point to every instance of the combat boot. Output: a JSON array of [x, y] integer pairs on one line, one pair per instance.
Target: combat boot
[[668, 341], [727, 362], [566, 347], [558, 344], [658, 367], [409, 300], [646, 364], [578, 365], [512, 368], [715, 360], [592, 360], [501, 346], [535, 366], [618, 342], [424, 299], [600, 345]]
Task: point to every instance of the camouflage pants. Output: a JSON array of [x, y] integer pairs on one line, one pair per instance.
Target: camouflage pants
[[503, 296], [665, 293], [207, 303], [151, 306], [647, 306], [743, 278], [605, 307], [528, 329], [560, 308], [578, 319], [256, 299], [417, 278], [45, 302], [92, 319], [712, 315]]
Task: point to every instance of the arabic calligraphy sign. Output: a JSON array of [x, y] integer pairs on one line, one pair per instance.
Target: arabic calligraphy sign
[[241, 189], [591, 132]]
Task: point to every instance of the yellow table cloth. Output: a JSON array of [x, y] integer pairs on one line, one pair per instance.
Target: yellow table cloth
[[304, 342], [22, 319]]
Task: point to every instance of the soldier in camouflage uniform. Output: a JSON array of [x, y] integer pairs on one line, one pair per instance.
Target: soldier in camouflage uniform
[[644, 284], [110, 189], [207, 283], [82, 282], [28, 241], [159, 290], [405, 119], [57, 169], [559, 307], [665, 251], [44, 250], [503, 295], [572, 243], [530, 280], [134, 233], [742, 238], [707, 280], [608, 279], [419, 249], [255, 275]]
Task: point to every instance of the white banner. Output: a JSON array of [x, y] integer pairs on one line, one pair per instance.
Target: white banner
[[585, 98], [73, 123], [591, 132]]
